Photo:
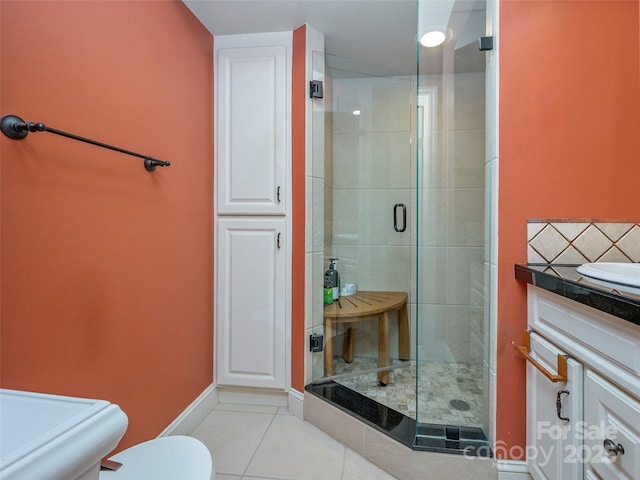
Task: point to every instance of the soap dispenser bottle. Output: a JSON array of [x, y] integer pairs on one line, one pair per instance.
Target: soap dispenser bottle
[[328, 290], [332, 277]]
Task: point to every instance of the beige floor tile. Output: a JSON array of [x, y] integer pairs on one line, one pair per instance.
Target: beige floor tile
[[359, 468], [232, 438], [340, 425], [227, 477], [296, 450]]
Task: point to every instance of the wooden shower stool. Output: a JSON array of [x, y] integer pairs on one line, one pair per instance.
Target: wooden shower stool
[[367, 306]]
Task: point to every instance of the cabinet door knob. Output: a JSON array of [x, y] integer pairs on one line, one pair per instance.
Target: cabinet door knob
[[278, 240], [278, 194], [612, 448]]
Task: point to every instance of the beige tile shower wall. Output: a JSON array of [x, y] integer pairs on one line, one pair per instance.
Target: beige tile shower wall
[[451, 253], [373, 167], [582, 241], [371, 173]]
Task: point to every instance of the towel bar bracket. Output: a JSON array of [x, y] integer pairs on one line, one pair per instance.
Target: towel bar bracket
[[14, 127]]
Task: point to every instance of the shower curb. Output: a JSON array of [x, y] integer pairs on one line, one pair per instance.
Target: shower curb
[[383, 450]]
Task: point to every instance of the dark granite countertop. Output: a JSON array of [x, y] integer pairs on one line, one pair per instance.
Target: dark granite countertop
[[565, 281]]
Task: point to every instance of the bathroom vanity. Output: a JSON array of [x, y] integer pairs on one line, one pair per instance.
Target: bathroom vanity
[[583, 377]]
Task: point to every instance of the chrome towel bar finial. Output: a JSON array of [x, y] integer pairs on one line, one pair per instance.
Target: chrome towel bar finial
[[17, 129]]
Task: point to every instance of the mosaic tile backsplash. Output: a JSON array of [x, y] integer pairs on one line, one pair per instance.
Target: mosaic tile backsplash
[[573, 242]]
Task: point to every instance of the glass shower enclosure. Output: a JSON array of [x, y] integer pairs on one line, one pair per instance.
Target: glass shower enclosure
[[398, 176]]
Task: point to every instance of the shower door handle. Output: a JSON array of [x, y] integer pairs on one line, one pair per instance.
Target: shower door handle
[[404, 217]]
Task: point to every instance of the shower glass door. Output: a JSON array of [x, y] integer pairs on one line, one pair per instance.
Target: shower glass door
[[452, 326]]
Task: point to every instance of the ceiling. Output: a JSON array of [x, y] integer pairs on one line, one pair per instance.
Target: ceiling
[[376, 32]]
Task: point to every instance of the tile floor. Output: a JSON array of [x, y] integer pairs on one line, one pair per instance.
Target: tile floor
[[250, 442]]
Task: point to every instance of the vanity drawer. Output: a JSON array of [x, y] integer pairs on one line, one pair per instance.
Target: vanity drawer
[[612, 416], [602, 341]]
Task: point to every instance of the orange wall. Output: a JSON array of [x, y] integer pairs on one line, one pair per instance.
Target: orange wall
[[106, 268], [569, 118], [298, 173]]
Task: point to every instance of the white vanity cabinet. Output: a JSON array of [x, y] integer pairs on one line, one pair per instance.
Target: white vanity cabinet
[[602, 438]]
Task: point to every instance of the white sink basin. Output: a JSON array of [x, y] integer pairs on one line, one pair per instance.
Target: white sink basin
[[56, 437], [625, 276]]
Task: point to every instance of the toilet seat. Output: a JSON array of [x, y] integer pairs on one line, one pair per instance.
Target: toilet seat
[[166, 458]]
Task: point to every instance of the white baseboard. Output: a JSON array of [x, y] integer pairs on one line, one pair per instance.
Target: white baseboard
[[513, 470], [296, 403], [194, 414], [252, 396]]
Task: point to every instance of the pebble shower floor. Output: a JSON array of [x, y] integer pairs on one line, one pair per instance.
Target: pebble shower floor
[[439, 384]]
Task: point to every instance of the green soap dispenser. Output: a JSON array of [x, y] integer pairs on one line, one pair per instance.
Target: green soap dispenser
[[332, 278], [328, 291]]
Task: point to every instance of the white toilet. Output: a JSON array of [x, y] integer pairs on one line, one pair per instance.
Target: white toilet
[[166, 458]]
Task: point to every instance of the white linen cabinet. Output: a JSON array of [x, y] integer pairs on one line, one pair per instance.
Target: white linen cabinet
[[252, 181]]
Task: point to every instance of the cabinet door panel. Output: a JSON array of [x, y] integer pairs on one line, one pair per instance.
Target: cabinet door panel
[[250, 346], [555, 451], [612, 414], [252, 130]]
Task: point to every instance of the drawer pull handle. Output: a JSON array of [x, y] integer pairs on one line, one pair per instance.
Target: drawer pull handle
[[525, 351], [612, 448]]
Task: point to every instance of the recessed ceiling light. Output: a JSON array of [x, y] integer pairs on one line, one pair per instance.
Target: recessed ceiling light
[[356, 112], [433, 38]]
